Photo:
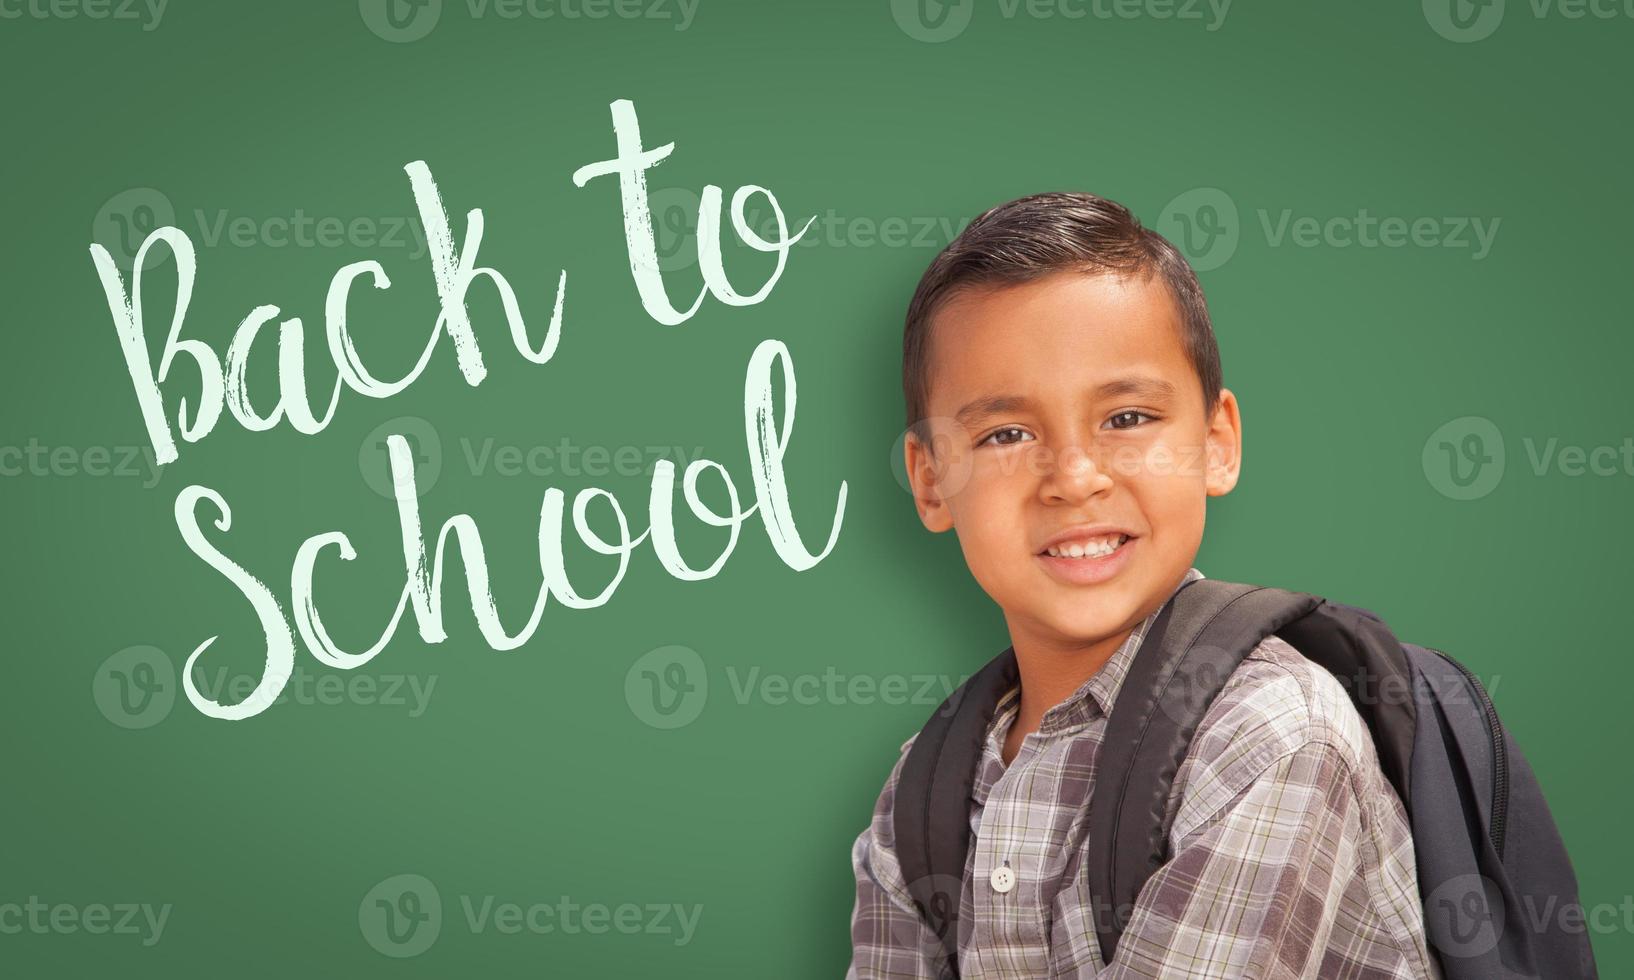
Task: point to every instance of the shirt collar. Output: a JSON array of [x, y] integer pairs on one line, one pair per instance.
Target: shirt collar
[[1095, 696]]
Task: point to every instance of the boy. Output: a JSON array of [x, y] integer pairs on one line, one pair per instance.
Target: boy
[[1067, 419]]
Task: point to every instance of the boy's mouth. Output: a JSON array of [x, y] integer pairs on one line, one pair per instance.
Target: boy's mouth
[[1095, 547], [1086, 557]]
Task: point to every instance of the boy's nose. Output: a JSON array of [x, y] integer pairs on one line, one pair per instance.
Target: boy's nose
[[1073, 475]]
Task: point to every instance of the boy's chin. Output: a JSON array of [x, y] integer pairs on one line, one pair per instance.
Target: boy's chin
[[1086, 627]]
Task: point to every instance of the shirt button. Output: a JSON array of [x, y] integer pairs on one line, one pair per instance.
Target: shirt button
[[1002, 879]]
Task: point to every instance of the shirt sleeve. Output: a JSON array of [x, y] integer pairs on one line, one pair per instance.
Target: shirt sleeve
[[1254, 891], [888, 938]]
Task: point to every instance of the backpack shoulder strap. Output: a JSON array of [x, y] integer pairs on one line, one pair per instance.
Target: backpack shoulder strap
[[1194, 644], [931, 811], [1373, 667], [1201, 636]]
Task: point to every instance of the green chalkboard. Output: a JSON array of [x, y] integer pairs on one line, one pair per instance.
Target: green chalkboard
[[1412, 222]]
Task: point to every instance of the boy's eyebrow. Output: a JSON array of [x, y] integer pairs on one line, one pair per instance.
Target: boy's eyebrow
[[990, 405], [1156, 388], [1148, 387]]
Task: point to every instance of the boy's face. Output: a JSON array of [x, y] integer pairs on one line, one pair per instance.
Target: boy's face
[[1072, 451]]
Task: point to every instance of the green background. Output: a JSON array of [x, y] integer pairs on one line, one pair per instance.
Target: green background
[[531, 775]]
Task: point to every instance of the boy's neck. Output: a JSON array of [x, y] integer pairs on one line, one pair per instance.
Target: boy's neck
[[1049, 675]]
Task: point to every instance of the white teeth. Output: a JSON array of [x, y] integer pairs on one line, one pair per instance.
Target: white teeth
[[1093, 548]]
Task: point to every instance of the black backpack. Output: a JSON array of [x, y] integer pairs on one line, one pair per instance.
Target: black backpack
[[1500, 897]]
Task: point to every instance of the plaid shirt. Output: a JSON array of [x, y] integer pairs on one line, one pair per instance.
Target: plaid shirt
[[1290, 854]]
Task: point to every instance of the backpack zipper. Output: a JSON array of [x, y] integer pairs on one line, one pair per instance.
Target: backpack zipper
[[1500, 755]]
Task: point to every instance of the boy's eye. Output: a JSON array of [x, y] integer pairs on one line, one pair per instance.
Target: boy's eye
[[1007, 436], [1129, 419]]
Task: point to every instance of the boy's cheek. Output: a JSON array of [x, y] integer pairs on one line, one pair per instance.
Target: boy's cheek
[[985, 489], [1161, 461], [993, 568], [993, 540]]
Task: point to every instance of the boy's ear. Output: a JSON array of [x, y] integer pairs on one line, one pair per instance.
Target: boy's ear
[[921, 465], [1225, 446]]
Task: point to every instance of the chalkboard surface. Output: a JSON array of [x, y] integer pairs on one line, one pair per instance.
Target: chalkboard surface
[[1412, 225]]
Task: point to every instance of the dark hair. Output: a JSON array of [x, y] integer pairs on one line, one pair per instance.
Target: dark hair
[[1032, 237]]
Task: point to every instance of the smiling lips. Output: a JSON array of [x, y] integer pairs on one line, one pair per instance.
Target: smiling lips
[[1086, 557], [1096, 547]]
